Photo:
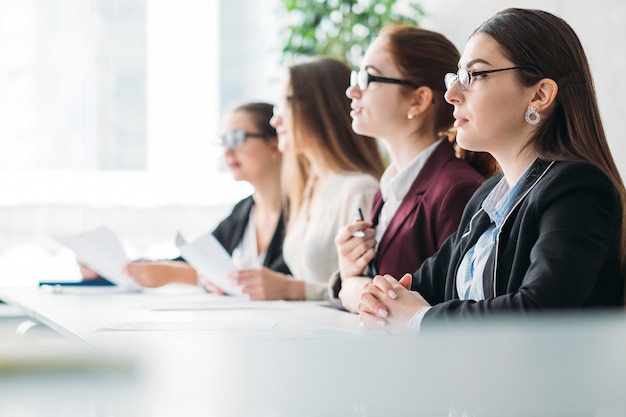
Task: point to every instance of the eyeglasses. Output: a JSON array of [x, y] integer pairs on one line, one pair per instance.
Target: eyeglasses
[[233, 140], [464, 77], [362, 79]]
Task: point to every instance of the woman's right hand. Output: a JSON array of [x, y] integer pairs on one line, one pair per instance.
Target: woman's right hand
[[154, 274], [355, 247]]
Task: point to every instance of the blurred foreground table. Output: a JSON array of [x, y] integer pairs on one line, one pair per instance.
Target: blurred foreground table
[[305, 359]]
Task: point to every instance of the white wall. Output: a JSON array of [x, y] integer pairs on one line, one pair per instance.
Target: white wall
[[599, 25]]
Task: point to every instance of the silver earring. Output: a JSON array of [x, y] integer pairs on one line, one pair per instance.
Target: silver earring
[[532, 116]]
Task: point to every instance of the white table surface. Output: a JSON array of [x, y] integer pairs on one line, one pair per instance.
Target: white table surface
[[92, 317], [314, 362]]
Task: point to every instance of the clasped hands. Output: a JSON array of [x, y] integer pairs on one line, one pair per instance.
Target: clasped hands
[[383, 303], [388, 304]]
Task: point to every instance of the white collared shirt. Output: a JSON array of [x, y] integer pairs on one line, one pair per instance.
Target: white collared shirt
[[246, 254], [395, 185]]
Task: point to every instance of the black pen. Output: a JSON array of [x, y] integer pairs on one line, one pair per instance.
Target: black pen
[[360, 212], [372, 263], [359, 233]]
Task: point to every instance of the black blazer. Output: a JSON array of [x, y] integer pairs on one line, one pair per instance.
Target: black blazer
[[230, 233], [558, 248]]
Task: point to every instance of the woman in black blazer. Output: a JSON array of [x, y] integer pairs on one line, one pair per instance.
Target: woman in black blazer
[[230, 233], [549, 233], [254, 231]]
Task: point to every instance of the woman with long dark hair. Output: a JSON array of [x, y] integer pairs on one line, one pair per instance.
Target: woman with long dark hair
[[546, 235]]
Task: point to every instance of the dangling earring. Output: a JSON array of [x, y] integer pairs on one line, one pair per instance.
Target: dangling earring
[[532, 116], [410, 116]]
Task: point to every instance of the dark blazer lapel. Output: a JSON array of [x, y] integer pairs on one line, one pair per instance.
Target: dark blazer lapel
[[488, 272], [474, 229], [437, 159], [535, 173], [275, 247], [240, 222], [377, 205], [406, 207], [477, 225], [537, 170]]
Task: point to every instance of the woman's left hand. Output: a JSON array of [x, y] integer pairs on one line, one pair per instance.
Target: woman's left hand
[[388, 304]]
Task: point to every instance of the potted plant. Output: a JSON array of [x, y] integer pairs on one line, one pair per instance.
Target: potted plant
[[341, 28]]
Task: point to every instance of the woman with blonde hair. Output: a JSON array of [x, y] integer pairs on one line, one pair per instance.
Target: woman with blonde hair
[[329, 173]]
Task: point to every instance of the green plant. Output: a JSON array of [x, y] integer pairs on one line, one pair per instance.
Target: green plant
[[341, 28]]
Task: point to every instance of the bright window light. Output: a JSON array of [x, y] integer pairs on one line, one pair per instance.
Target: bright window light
[[109, 102]]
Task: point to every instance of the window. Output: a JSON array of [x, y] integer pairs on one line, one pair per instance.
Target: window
[[112, 102]]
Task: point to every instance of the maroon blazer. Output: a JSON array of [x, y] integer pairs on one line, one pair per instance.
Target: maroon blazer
[[428, 214]]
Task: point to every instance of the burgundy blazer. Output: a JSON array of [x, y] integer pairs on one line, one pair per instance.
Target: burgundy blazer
[[428, 214]]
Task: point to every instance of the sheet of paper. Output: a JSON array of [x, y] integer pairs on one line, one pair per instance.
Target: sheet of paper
[[101, 251], [189, 325], [179, 240], [87, 290], [207, 255], [230, 303]]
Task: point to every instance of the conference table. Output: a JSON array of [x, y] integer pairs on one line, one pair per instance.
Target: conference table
[[105, 316], [179, 351]]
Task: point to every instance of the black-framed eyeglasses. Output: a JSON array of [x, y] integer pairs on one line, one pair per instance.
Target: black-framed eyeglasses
[[234, 139], [464, 76], [362, 79]]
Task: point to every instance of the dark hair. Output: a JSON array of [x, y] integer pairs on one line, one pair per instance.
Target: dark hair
[[572, 129], [423, 57], [260, 113], [321, 126]]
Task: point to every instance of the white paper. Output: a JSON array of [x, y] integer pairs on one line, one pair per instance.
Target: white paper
[[101, 251], [207, 255], [86, 289], [190, 325], [179, 240], [229, 303]]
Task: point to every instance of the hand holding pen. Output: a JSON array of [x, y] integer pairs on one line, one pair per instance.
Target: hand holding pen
[[372, 262], [359, 233], [356, 247]]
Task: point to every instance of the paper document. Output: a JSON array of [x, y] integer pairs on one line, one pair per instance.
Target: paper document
[[207, 255], [190, 325], [101, 251], [228, 303]]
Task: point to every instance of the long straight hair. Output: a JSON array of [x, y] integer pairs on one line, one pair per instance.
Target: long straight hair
[[573, 129], [321, 123]]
